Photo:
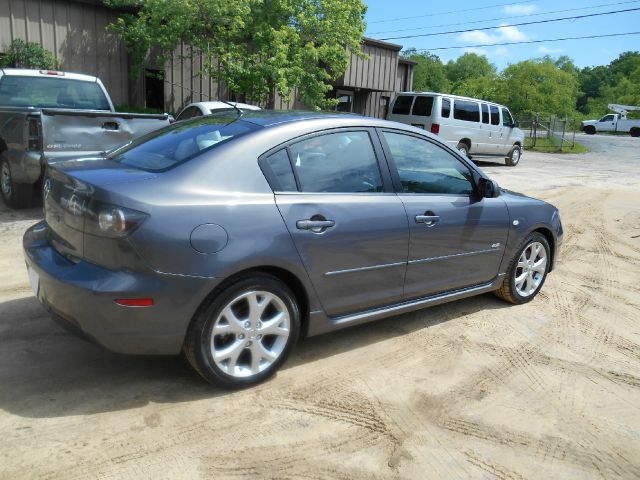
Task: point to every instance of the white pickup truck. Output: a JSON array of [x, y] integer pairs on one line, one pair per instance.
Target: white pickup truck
[[48, 115], [614, 122]]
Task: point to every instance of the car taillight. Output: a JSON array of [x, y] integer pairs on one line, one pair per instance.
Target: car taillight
[[435, 128], [112, 221], [33, 142], [51, 72]]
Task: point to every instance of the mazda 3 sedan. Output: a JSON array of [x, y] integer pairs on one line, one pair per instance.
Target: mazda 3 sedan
[[230, 236]]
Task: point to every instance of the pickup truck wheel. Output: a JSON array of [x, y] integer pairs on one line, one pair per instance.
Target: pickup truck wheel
[[514, 156], [15, 195], [589, 129], [635, 132], [244, 333]]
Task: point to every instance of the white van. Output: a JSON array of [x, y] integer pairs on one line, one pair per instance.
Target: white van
[[475, 127]]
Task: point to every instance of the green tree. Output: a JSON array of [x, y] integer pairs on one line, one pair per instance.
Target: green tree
[[539, 85], [429, 74], [469, 65], [256, 47], [23, 54]]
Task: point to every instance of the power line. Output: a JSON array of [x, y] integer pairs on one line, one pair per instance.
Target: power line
[[504, 18], [528, 41], [535, 22], [452, 11]]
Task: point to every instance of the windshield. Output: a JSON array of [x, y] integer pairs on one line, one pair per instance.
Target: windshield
[[51, 92], [163, 149]]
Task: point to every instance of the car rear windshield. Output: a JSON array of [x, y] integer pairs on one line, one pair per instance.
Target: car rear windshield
[[180, 142], [51, 92]]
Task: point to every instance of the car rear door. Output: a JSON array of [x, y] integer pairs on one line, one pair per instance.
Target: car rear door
[[335, 195], [456, 238]]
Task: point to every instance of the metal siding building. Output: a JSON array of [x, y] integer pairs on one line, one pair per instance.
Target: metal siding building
[[75, 32]]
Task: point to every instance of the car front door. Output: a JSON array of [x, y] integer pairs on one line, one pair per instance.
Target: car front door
[[349, 227], [508, 127], [456, 238], [607, 123]]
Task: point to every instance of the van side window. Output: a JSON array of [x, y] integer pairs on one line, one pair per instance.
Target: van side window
[[485, 113], [422, 106], [446, 108], [465, 110], [402, 105], [507, 119], [495, 115]]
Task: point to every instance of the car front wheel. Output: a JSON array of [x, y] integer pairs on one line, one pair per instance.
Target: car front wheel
[[527, 271], [245, 333], [514, 156]]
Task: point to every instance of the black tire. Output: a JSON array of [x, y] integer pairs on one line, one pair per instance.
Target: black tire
[[508, 290], [463, 148], [589, 129], [634, 132], [514, 156], [15, 195], [197, 343]]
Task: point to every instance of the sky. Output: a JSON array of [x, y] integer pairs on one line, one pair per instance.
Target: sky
[[418, 17]]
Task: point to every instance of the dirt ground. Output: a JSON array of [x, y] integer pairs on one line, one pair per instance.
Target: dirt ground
[[472, 389]]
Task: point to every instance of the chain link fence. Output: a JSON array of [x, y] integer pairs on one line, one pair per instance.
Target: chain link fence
[[560, 132]]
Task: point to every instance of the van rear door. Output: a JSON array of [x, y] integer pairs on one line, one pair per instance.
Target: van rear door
[[421, 112]]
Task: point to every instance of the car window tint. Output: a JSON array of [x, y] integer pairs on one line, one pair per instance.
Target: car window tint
[[446, 108], [424, 167], [281, 168], [337, 162], [402, 105], [185, 114], [464, 110], [485, 113], [422, 106], [177, 143], [495, 115], [507, 120]]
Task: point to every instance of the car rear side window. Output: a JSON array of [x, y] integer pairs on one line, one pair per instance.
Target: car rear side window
[[446, 108], [165, 148], [465, 110], [485, 113], [495, 115], [422, 106], [424, 167], [282, 171], [343, 162], [402, 105]]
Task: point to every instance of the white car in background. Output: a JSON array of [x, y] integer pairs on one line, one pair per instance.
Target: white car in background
[[199, 109]]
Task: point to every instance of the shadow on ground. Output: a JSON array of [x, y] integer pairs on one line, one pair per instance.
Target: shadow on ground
[[47, 372]]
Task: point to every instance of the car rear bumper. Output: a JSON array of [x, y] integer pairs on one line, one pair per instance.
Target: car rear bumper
[[82, 296]]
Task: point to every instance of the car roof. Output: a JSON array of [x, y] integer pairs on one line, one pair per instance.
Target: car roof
[[24, 72], [448, 95], [267, 118], [218, 105]]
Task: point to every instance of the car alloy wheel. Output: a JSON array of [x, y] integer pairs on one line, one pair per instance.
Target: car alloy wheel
[[531, 268], [250, 333]]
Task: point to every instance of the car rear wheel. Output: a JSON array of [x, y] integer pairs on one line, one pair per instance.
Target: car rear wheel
[[589, 129], [245, 333], [635, 132], [463, 148], [514, 156], [15, 195], [527, 271]]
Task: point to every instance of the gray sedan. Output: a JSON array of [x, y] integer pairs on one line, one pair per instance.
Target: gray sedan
[[230, 236]]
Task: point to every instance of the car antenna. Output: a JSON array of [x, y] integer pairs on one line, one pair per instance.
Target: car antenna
[[235, 106]]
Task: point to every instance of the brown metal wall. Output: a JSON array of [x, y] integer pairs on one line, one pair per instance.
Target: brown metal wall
[[75, 33], [376, 72]]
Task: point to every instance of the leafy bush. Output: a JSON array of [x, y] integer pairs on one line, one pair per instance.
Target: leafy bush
[[23, 54]]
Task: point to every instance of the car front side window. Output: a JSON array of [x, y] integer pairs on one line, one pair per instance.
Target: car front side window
[[343, 162], [426, 168]]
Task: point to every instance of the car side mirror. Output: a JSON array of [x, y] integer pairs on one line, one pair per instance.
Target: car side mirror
[[488, 188], [516, 123]]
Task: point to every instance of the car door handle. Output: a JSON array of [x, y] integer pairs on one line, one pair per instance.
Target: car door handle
[[111, 126], [316, 226], [428, 220]]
